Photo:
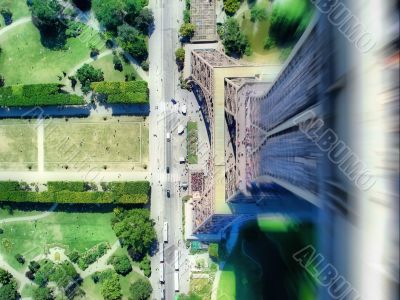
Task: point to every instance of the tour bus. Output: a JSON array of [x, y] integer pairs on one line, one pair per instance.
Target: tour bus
[[161, 252], [165, 232], [162, 292], [162, 272], [176, 260], [176, 281]]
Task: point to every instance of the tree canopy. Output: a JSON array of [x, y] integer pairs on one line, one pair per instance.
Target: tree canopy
[[234, 41], [121, 264], [231, 6], [46, 13], [133, 42], [88, 74], [135, 230], [289, 19], [187, 30], [140, 290], [8, 286], [111, 288], [43, 293]]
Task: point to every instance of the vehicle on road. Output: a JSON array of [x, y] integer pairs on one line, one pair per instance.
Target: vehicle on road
[[162, 292], [168, 136], [165, 232], [173, 101], [168, 193], [162, 272], [167, 170], [161, 252], [176, 260], [181, 129], [176, 281], [183, 109], [182, 160]]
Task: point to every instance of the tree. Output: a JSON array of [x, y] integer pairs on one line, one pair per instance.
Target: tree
[[234, 41], [8, 286], [111, 288], [258, 13], [46, 13], [121, 264], [110, 13], [144, 20], [43, 293], [88, 74], [187, 30], [145, 266], [2, 83], [83, 4], [41, 279], [140, 290], [117, 63], [20, 258], [29, 274], [132, 42], [8, 291], [180, 55], [135, 230], [7, 15], [34, 266], [288, 20], [231, 6]]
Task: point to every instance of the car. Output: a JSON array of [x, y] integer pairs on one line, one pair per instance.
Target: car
[[167, 170], [168, 193], [168, 136]]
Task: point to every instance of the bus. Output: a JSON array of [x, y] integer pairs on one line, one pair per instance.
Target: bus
[[165, 232], [176, 260], [176, 281], [161, 252], [162, 272]]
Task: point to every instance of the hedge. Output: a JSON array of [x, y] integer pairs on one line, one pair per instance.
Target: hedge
[[37, 95], [120, 92], [73, 186], [62, 192]]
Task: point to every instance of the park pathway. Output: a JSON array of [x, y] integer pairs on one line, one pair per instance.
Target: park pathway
[[40, 145], [15, 24], [17, 275], [90, 175], [30, 218]]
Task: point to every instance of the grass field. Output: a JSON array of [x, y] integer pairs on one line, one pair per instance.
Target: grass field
[[73, 230], [110, 74], [120, 144], [25, 60], [18, 8], [261, 265], [256, 33], [192, 140], [18, 145]]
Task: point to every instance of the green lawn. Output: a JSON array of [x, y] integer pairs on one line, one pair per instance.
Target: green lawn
[[73, 230], [18, 8], [110, 74], [25, 60], [192, 140], [118, 143], [261, 264], [257, 33], [18, 146]]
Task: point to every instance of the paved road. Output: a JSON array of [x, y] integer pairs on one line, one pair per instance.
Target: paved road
[[163, 118]]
